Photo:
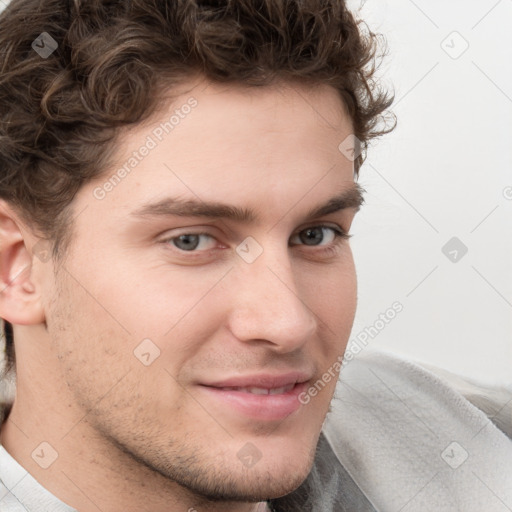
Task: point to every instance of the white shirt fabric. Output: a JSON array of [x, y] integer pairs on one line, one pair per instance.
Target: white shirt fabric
[[20, 492], [408, 439]]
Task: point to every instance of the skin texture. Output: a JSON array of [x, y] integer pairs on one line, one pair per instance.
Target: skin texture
[[134, 437]]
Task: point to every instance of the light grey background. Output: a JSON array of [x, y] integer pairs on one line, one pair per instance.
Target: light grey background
[[445, 172]]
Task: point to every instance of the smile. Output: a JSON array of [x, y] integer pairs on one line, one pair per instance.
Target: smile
[[261, 391], [256, 403]]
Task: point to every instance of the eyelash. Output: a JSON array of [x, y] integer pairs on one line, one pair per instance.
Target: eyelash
[[339, 237]]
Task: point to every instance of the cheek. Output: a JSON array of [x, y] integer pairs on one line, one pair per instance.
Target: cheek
[[156, 300], [333, 301], [83, 330], [332, 294], [102, 314], [92, 344]]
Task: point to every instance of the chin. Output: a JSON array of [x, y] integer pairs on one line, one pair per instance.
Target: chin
[[256, 484], [282, 468], [231, 477]]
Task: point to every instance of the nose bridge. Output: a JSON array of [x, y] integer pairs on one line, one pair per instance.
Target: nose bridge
[[269, 306]]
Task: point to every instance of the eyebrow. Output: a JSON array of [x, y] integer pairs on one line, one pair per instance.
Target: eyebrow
[[350, 198]]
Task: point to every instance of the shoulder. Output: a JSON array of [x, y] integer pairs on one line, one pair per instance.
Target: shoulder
[[412, 438]]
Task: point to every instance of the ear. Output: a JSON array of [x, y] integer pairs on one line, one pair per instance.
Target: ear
[[19, 297]]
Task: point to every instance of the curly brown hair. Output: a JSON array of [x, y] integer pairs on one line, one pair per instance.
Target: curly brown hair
[[60, 114]]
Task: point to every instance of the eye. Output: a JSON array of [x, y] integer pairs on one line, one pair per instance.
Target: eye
[[192, 241], [318, 236], [315, 236]]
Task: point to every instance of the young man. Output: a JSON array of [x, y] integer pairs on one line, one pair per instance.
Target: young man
[[178, 185], [177, 192]]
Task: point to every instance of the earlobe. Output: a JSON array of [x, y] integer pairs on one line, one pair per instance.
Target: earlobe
[[19, 297]]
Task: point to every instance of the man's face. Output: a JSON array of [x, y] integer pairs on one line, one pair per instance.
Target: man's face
[[171, 317]]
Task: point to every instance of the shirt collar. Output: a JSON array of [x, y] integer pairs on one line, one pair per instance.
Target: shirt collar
[[21, 492]]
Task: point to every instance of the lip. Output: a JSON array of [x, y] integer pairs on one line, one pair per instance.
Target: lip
[[258, 407], [262, 380]]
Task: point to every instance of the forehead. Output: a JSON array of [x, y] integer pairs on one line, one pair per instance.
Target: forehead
[[244, 145], [206, 115]]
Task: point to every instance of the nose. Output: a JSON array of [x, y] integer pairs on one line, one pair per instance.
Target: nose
[[268, 307]]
